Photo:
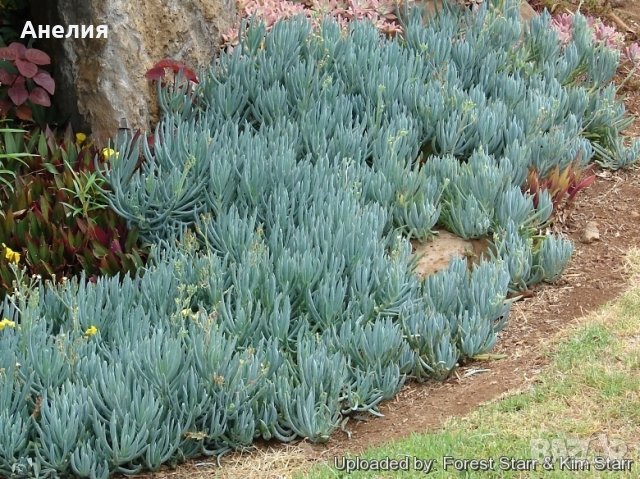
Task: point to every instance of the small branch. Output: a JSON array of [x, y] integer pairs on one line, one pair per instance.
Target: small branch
[[618, 21]]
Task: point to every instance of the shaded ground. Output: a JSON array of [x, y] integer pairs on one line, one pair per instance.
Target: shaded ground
[[595, 276]]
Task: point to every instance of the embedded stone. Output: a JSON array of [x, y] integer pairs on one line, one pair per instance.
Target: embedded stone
[[100, 82], [434, 255], [590, 233]]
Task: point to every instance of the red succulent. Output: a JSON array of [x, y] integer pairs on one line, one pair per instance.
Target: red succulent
[[158, 71], [563, 185]]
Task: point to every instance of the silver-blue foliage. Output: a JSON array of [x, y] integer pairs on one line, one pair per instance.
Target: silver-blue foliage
[[280, 196]]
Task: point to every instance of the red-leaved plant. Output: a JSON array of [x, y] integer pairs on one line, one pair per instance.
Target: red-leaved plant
[[563, 185], [23, 84], [183, 78], [158, 71]]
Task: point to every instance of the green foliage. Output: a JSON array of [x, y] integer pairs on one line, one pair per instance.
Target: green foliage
[[8, 155], [53, 211], [280, 194], [552, 257], [458, 317], [184, 354], [530, 259]]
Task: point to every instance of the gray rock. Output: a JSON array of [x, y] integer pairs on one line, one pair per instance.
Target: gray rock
[[101, 81], [590, 233]]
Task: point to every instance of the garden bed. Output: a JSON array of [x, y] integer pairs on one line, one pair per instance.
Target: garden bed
[[281, 193], [595, 276]]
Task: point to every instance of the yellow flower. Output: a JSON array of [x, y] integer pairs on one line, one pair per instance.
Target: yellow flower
[[5, 323], [91, 330], [11, 255], [109, 153], [80, 138]]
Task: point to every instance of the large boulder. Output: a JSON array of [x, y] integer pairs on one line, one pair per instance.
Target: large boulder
[[100, 81]]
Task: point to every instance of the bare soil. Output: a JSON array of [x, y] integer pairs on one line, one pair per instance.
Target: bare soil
[[595, 276]]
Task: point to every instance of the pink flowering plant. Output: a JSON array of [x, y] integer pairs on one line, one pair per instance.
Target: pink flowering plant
[[563, 26], [601, 33], [382, 13], [632, 53], [605, 34]]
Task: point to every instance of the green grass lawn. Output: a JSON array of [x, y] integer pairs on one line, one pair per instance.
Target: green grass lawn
[[585, 405]]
